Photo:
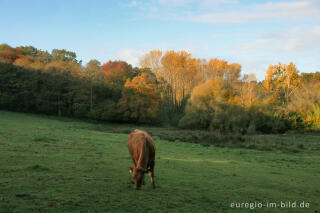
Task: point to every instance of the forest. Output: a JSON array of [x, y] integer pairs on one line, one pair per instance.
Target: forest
[[170, 88]]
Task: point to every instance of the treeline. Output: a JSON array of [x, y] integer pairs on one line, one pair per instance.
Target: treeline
[[56, 83], [169, 88]]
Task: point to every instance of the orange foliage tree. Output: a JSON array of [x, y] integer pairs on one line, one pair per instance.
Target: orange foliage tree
[[10, 55], [249, 90], [179, 70], [116, 73], [140, 100], [220, 69], [282, 80], [306, 102]]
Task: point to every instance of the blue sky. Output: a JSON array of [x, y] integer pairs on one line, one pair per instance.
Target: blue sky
[[252, 33]]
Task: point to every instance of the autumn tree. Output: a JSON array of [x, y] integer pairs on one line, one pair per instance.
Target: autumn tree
[[212, 107], [116, 73], [309, 77], [306, 102], [179, 70], [24, 61], [248, 90], [221, 69], [9, 55], [215, 68], [152, 60], [140, 100], [282, 80], [32, 57]]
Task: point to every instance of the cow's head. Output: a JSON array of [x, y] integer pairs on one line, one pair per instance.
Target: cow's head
[[137, 176]]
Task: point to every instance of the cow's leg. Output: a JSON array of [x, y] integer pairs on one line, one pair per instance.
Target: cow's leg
[[132, 169], [151, 174]]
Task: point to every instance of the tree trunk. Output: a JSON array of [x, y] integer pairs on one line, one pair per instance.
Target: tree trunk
[[59, 108], [91, 99]]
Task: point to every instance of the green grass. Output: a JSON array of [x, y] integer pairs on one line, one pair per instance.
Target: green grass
[[64, 165]]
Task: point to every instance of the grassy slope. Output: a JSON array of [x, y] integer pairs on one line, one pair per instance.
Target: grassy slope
[[51, 165]]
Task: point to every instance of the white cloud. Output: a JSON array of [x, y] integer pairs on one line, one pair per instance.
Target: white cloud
[[300, 45], [174, 9], [131, 56], [174, 2], [272, 11], [230, 11], [133, 3], [299, 40], [199, 2]]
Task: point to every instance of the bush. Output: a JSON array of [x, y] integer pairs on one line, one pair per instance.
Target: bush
[[227, 118]]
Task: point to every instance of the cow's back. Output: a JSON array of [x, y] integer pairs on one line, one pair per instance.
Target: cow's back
[[150, 145], [141, 147]]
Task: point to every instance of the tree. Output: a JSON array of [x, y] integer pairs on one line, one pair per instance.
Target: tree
[[116, 74], [308, 77], [212, 107], [63, 55], [282, 80], [152, 60], [140, 100], [306, 102], [5, 47], [65, 66], [9, 55], [95, 76], [183, 73], [216, 68], [24, 61], [29, 50], [248, 90]]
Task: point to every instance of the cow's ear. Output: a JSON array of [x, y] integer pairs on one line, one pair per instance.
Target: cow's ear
[[130, 169]]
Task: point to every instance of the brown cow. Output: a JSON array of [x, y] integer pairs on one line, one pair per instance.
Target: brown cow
[[142, 150]]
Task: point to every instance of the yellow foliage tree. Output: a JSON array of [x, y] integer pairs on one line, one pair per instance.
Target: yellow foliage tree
[[220, 69], [140, 100], [248, 90], [179, 70], [152, 60], [282, 80], [306, 102], [211, 93]]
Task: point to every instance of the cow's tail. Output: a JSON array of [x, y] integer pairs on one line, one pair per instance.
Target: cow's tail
[[142, 153]]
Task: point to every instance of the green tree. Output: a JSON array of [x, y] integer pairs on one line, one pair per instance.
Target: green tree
[[29, 50], [63, 55], [95, 76], [5, 47]]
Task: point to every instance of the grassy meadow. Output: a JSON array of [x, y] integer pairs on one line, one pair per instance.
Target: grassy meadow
[[48, 164]]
